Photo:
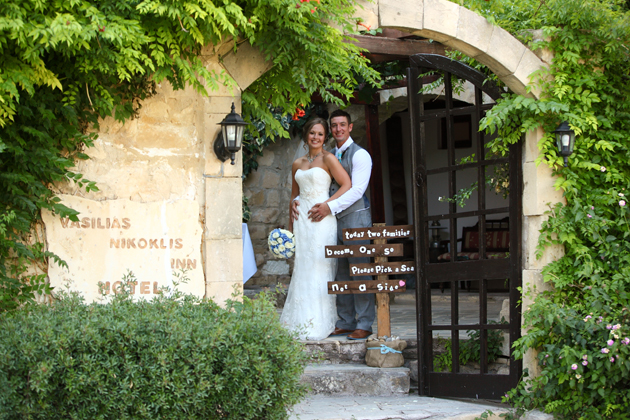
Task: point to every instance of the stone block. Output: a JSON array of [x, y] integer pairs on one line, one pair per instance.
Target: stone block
[[271, 179], [367, 11], [538, 189], [220, 292], [275, 268], [245, 65], [265, 215], [530, 362], [516, 85], [504, 53], [545, 54], [177, 104], [222, 105], [356, 380], [256, 199], [405, 15], [440, 20], [413, 369], [252, 181], [551, 253], [473, 33], [267, 158], [537, 415], [529, 64], [273, 199], [532, 138], [533, 281], [335, 352], [112, 237], [229, 87], [163, 139], [224, 212], [258, 232], [154, 109], [224, 261]]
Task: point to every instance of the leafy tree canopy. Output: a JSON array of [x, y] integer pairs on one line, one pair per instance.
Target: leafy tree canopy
[[67, 63]]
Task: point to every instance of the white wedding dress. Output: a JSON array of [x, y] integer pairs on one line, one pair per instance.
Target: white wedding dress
[[309, 309]]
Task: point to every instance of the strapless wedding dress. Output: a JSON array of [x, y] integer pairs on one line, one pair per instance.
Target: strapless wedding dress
[[309, 309]]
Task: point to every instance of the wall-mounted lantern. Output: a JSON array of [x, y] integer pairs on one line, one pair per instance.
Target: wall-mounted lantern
[[230, 138], [565, 140]]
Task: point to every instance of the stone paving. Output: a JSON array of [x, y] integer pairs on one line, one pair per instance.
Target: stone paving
[[403, 312], [407, 407]]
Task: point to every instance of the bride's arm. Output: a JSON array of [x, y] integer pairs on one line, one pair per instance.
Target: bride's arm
[[340, 175], [295, 191]]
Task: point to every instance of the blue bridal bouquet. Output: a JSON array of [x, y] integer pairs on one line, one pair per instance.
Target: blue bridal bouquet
[[281, 243]]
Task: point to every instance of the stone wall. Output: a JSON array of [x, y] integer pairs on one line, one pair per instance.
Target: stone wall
[[161, 160], [268, 190]]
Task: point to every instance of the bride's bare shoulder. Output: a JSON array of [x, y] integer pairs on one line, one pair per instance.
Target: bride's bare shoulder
[[298, 163]]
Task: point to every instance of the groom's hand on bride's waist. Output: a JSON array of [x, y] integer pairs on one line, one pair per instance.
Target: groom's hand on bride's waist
[[318, 212], [294, 210]]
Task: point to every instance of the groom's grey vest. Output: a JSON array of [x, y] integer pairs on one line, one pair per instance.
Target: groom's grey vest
[[346, 163]]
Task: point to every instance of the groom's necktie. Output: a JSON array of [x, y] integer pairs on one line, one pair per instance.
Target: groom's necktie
[[339, 155]]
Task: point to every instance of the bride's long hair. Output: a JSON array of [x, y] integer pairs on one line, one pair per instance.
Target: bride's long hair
[[310, 124]]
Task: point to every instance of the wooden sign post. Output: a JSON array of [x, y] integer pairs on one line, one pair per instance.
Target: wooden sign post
[[381, 268]]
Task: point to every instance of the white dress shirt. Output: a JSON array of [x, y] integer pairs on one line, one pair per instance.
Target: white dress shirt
[[360, 176]]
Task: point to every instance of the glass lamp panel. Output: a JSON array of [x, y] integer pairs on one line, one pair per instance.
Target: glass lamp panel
[[239, 135]]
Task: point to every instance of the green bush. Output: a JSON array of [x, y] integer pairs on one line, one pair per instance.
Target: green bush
[[171, 358]]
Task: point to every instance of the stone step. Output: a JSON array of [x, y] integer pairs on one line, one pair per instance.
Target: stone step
[[341, 351], [356, 380]]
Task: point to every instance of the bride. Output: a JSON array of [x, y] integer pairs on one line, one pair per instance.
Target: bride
[[309, 309]]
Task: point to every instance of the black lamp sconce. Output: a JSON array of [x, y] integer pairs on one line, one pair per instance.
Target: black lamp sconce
[[565, 140], [230, 138]]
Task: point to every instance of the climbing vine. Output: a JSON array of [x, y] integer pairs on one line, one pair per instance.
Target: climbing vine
[[581, 328], [68, 63]]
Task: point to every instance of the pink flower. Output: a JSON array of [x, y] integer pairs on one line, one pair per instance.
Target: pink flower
[[626, 341], [574, 366], [584, 357], [609, 327], [622, 203], [592, 207], [616, 326], [605, 351], [610, 342], [584, 363], [589, 216], [587, 318], [612, 360]]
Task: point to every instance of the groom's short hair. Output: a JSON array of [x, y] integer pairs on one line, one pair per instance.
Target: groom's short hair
[[341, 113]]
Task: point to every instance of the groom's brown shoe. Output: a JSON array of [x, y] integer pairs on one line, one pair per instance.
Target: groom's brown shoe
[[359, 335], [339, 331]]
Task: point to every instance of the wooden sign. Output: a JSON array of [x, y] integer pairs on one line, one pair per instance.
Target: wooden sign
[[354, 251], [380, 250], [382, 269], [378, 232], [368, 286]]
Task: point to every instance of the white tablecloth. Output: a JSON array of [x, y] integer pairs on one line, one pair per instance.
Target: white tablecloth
[[249, 259]]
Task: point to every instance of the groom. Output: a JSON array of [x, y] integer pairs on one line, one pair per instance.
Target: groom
[[356, 312]]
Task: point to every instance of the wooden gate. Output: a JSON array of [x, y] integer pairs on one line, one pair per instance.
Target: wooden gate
[[467, 221]]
